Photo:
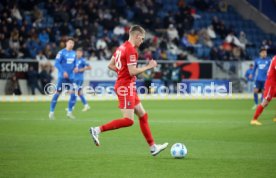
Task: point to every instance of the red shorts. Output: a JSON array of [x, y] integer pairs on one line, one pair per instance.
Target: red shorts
[[127, 97], [269, 91]]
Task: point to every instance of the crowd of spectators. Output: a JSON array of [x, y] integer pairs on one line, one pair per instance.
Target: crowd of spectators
[[37, 29]]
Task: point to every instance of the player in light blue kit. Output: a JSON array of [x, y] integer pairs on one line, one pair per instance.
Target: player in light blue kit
[[66, 64], [81, 65], [261, 64]]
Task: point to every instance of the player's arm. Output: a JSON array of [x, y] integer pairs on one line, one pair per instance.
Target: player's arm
[[111, 64], [254, 69], [247, 74], [133, 70], [59, 66], [75, 70], [87, 67]]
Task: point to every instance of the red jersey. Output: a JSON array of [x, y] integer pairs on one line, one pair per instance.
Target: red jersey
[[125, 55], [271, 73]]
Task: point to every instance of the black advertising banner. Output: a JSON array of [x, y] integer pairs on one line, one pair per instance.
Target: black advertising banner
[[19, 68], [196, 70], [187, 70]]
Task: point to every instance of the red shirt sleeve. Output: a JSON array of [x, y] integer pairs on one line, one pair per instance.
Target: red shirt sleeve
[[131, 57]]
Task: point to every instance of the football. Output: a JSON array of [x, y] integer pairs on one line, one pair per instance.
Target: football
[[179, 150]]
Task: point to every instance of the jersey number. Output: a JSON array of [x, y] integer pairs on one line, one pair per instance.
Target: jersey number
[[118, 62]]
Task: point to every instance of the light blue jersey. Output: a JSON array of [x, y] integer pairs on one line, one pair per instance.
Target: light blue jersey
[[248, 73], [80, 64], [262, 66], [65, 62]]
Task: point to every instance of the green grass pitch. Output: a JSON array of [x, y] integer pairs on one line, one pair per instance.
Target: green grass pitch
[[220, 141]]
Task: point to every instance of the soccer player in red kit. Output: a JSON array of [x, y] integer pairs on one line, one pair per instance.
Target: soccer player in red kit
[[269, 92], [124, 62]]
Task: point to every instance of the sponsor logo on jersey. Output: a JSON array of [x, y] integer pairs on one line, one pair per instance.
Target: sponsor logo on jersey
[[128, 103]]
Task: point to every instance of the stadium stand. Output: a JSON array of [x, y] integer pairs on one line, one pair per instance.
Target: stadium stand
[[267, 7], [209, 29]]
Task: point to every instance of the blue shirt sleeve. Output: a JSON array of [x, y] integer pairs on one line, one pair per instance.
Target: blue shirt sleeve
[[58, 62], [75, 62], [255, 68], [247, 74]]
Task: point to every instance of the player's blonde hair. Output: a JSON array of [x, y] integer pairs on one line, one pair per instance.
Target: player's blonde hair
[[136, 28]]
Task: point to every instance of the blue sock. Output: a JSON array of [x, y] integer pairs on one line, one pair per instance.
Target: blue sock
[[54, 102], [256, 98], [83, 100], [72, 102]]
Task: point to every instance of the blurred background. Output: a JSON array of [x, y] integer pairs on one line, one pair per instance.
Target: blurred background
[[201, 41]]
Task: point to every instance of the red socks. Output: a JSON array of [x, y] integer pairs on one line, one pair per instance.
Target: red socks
[[258, 111], [116, 124], [146, 129], [126, 122]]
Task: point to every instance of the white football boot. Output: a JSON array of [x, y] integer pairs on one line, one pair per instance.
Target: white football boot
[[95, 136], [86, 108], [157, 148]]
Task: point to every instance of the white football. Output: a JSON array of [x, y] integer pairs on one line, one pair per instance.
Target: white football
[[179, 150]]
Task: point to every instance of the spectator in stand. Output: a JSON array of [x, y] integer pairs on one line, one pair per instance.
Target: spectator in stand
[[172, 33], [101, 44], [45, 77], [249, 79], [119, 30], [49, 52], [43, 37], [243, 39], [12, 86], [32, 80], [41, 58], [14, 42], [216, 24], [193, 38], [186, 44], [232, 39], [223, 6], [204, 38], [16, 13], [211, 32]]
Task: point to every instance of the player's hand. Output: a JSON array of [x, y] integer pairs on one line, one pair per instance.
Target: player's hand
[[65, 75], [76, 70], [250, 76], [152, 63]]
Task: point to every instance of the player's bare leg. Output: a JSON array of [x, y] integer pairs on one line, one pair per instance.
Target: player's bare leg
[[145, 129], [258, 112], [126, 121]]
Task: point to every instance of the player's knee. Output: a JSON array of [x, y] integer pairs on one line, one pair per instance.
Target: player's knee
[[129, 122], [79, 93], [265, 103]]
